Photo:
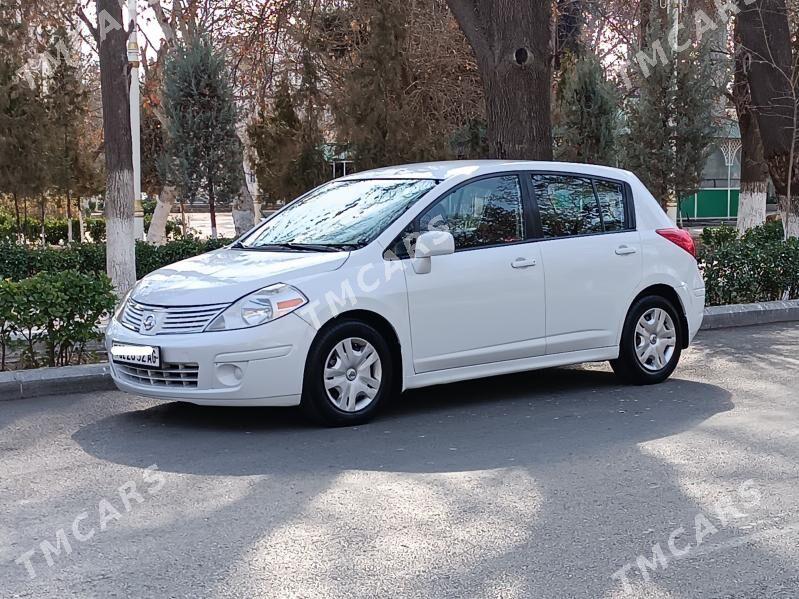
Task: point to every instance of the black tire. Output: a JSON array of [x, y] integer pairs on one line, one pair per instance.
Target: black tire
[[628, 366], [315, 400]]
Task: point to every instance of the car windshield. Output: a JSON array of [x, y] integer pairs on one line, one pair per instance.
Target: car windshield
[[341, 215]]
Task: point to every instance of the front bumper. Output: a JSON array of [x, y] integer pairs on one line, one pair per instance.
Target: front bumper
[[261, 366]]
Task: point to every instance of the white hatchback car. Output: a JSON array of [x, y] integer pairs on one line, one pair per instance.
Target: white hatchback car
[[413, 276]]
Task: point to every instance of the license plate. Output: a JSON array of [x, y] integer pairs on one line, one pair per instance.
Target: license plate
[[145, 356]]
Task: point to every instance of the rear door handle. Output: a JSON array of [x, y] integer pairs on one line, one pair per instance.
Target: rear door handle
[[523, 263], [625, 250]]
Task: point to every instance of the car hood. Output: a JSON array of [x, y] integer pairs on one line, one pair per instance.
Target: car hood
[[226, 275]]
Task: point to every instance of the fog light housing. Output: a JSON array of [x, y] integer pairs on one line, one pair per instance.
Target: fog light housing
[[230, 375]]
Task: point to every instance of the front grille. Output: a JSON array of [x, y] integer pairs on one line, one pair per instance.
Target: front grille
[[169, 321], [169, 375]]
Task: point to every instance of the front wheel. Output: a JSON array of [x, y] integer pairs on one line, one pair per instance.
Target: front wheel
[[651, 342], [348, 375]]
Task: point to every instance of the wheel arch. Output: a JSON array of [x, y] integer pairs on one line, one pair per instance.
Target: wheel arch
[[383, 326], [667, 292]]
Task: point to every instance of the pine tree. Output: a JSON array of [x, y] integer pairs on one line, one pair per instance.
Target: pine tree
[[670, 122], [586, 117], [274, 142], [201, 115], [288, 143], [310, 164], [695, 96], [24, 136], [375, 109], [67, 103]]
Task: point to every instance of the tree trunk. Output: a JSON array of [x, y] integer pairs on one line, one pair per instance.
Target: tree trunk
[[81, 223], [69, 217], [115, 85], [754, 171], [511, 41], [790, 218], [244, 217], [212, 208], [163, 208], [16, 212], [183, 225], [765, 33], [42, 216]]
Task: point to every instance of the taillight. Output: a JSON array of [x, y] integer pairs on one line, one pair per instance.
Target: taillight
[[681, 238]]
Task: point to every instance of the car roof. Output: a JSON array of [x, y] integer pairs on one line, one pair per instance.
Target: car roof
[[441, 171]]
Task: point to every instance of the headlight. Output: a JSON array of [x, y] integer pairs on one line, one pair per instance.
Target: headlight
[[262, 306]]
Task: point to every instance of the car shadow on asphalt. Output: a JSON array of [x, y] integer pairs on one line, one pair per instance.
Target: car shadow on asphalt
[[566, 492], [476, 425]]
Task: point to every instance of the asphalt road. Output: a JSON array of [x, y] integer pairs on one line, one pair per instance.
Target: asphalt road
[[536, 485]]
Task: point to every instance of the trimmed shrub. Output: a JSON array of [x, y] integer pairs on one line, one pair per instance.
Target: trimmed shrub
[[59, 311], [8, 295], [18, 262], [758, 267]]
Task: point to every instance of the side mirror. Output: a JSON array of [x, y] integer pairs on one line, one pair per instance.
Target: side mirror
[[435, 243], [429, 244]]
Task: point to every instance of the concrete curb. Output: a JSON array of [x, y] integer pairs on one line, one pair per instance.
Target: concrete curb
[[742, 315], [22, 384]]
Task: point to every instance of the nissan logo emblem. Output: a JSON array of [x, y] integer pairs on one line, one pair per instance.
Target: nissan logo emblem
[[149, 322]]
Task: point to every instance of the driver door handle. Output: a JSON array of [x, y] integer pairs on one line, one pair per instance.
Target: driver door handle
[[523, 263]]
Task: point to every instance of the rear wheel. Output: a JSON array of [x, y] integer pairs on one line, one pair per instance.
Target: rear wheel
[[348, 375], [651, 342]]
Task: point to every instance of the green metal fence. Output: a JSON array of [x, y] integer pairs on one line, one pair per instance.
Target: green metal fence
[[711, 203]]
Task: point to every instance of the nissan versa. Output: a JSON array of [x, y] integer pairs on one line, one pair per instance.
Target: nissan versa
[[412, 276]]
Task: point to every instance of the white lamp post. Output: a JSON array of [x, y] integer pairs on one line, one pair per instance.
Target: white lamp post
[[730, 148], [135, 128]]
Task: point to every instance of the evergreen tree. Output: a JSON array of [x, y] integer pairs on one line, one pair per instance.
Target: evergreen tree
[[670, 122], [586, 116], [274, 141], [67, 103], [288, 143], [24, 136], [696, 94], [374, 110], [310, 164], [201, 115]]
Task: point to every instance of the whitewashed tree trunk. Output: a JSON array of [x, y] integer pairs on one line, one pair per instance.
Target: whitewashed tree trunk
[[790, 219], [120, 237], [163, 208], [115, 87], [752, 206], [244, 217], [81, 222]]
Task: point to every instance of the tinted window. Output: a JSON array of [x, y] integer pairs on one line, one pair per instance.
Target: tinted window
[[486, 212], [567, 205], [611, 202]]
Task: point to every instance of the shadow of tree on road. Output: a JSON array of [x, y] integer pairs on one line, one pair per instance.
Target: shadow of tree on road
[[551, 460]]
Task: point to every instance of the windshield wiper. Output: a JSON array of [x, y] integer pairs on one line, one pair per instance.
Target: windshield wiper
[[300, 247], [293, 247]]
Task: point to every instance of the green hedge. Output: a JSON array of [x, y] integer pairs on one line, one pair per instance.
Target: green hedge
[[55, 229], [758, 267], [54, 315], [19, 262]]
